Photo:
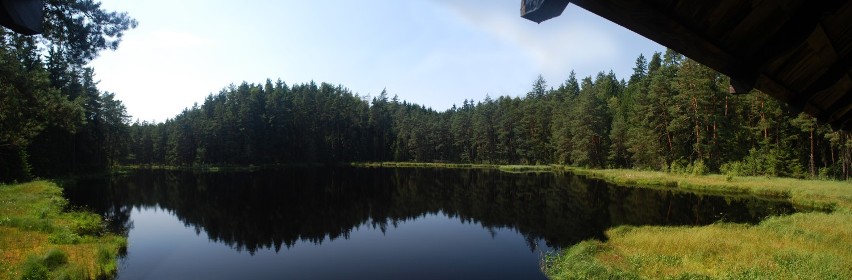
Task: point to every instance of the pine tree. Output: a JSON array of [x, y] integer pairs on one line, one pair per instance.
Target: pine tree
[[561, 125]]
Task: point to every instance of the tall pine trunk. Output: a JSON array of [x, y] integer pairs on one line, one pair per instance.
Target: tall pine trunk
[[811, 163]]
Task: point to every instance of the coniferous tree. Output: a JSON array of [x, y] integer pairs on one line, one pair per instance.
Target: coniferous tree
[[672, 114]]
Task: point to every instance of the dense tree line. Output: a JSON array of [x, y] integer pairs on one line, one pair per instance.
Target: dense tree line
[[671, 114], [53, 118]]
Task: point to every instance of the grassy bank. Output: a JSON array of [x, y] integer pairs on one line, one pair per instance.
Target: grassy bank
[[810, 245], [800, 246], [40, 239], [212, 168], [504, 168], [819, 194], [808, 193], [424, 165]]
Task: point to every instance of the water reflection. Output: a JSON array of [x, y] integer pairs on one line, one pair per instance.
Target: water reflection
[[279, 208]]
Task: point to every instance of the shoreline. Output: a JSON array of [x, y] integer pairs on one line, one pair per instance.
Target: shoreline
[[807, 193], [806, 244], [41, 239]]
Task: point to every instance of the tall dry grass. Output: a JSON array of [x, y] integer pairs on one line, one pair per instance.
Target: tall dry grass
[[34, 225]]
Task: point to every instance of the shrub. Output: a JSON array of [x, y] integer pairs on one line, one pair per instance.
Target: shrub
[[678, 166], [106, 260], [72, 273], [681, 166], [64, 237], [34, 269], [731, 169], [765, 162], [87, 223], [55, 258], [699, 168]]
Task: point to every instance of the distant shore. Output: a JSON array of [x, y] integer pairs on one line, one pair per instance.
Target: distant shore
[[821, 194], [810, 193]]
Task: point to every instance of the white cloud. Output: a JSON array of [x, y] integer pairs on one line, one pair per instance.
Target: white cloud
[[556, 46], [153, 71]]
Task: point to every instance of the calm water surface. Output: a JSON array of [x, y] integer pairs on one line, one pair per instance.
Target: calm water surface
[[375, 223]]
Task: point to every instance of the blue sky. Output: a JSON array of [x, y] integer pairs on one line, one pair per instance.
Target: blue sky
[[431, 52]]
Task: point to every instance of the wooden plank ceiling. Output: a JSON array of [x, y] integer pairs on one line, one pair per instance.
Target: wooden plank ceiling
[[797, 51]]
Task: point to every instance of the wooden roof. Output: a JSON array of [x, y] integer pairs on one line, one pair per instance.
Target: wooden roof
[[22, 16], [797, 51]]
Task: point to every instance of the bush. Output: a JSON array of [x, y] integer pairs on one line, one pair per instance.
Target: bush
[[681, 166], [40, 268], [64, 237], [34, 269], [678, 166], [699, 168], [55, 258], [72, 273], [87, 223], [731, 169], [834, 171], [106, 260], [765, 162]]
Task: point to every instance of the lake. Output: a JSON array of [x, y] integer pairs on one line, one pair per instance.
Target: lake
[[375, 223]]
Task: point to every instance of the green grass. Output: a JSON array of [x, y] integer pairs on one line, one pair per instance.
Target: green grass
[[819, 194], [529, 168], [210, 167], [808, 193], [811, 245], [425, 165], [39, 239], [801, 246]]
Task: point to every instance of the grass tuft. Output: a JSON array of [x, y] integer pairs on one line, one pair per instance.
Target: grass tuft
[[85, 223], [55, 258], [63, 237], [526, 168], [34, 269], [424, 165], [39, 240], [583, 265]]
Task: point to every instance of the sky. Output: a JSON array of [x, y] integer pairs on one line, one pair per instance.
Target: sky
[[431, 52]]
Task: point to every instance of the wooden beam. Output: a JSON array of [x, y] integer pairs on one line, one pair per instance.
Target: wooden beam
[[842, 122], [22, 16], [834, 73], [840, 104], [655, 23], [795, 31], [783, 42], [740, 86]]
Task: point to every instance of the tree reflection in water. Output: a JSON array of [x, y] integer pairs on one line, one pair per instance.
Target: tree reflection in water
[[277, 208]]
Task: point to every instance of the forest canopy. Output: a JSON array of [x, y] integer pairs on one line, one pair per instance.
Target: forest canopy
[[672, 114], [53, 118]]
